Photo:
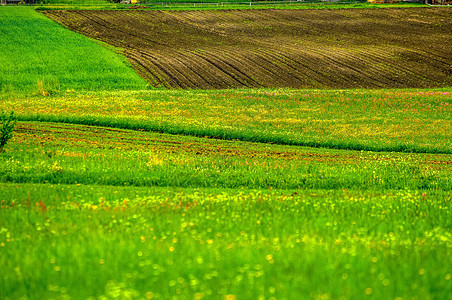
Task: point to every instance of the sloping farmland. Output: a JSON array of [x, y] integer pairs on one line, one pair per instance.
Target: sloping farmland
[[353, 48]]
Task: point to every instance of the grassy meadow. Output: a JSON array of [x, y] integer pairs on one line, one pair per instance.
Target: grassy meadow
[[377, 120], [152, 215], [112, 191], [41, 56]]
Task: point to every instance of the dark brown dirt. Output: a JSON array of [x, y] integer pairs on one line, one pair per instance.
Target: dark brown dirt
[[353, 48]]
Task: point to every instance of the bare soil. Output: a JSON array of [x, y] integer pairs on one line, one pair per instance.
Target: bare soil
[[350, 48]]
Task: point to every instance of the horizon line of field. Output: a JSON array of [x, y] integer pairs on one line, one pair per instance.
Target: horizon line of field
[[243, 3], [209, 3], [228, 134]]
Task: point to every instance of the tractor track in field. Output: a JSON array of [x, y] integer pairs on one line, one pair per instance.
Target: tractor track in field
[[349, 48]]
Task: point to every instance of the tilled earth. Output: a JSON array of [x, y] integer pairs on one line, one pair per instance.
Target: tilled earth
[[352, 48]]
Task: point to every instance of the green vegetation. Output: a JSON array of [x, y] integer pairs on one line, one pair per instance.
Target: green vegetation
[[377, 120], [39, 55], [118, 212], [149, 243], [76, 2], [89, 155], [216, 4], [231, 218], [6, 131]]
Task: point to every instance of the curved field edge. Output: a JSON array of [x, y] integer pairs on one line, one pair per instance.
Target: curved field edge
[[70, 154], [41, 56], [231, 134], [386, 48], [378, 120]]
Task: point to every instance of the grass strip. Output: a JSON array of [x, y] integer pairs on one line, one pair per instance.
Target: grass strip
[[377, 120], [228, 134], [70, 154], [219, 5]]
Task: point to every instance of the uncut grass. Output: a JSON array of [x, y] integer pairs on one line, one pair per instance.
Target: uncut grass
[[344, 234], [71, 154], [378, 120], [39, 55], [129, 242]]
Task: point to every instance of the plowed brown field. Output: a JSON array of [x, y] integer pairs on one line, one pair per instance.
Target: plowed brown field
[[353, 48]]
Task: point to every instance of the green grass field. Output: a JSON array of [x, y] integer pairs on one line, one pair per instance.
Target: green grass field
[[40, 56], [112, 191], [155, 216]]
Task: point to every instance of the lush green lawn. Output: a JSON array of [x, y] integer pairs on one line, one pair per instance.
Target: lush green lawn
[[38, 55]]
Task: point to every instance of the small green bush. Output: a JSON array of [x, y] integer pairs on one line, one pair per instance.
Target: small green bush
[[6, 131]]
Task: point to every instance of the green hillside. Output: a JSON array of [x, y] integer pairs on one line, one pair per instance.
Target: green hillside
[[39, 55]]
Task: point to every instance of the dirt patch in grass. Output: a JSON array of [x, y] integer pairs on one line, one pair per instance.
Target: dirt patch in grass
[[353, 48]]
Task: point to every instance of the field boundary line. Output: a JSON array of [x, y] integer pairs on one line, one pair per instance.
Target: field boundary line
[[228, 134], [218, 4]]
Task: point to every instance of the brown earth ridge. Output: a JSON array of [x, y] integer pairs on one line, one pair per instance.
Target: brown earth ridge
[[349, 48]]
